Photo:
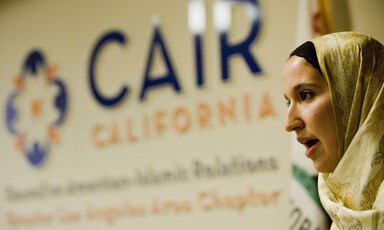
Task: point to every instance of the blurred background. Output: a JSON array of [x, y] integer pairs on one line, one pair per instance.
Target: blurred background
[[158, 114]]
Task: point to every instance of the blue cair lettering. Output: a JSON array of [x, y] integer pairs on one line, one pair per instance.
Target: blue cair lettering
[[243, 48], [104, 100], [169, 79]]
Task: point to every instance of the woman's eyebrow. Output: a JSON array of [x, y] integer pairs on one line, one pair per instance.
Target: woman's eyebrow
[[301, 85]]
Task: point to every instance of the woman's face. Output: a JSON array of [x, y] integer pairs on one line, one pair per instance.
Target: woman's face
[[310, 113]]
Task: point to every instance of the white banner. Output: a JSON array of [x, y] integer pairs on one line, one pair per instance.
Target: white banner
[[143, 114]]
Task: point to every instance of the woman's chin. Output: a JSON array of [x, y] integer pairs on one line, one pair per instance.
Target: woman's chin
[[323, 168]]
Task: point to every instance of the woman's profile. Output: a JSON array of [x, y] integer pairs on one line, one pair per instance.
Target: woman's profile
[[334, 87]]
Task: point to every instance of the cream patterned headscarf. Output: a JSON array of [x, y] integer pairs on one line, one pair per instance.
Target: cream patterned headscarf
[[353, 65]]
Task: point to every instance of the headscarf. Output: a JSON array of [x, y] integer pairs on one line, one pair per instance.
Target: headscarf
[[353, 65]]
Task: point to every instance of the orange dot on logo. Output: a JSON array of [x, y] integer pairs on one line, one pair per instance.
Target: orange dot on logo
[[53, 135], [36, 108], [18, 82], [51, 72], [19, 142]]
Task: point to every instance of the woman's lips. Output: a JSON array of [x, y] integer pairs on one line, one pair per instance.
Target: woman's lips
[[311, 148], [310, 145]]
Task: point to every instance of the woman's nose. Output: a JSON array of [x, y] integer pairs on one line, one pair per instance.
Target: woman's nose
[[293, 121]]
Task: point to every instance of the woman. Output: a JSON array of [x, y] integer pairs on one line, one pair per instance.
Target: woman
[[334, 87]]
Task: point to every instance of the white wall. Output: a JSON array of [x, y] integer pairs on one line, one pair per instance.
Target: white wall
[[365, 16]]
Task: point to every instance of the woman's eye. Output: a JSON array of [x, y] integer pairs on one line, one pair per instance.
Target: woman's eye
[[306, 95]]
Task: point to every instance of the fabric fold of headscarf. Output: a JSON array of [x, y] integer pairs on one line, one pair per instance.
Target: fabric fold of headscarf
[[353, 65]]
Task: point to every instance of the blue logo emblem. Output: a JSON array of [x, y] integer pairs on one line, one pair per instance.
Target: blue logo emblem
[[35, 108]]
